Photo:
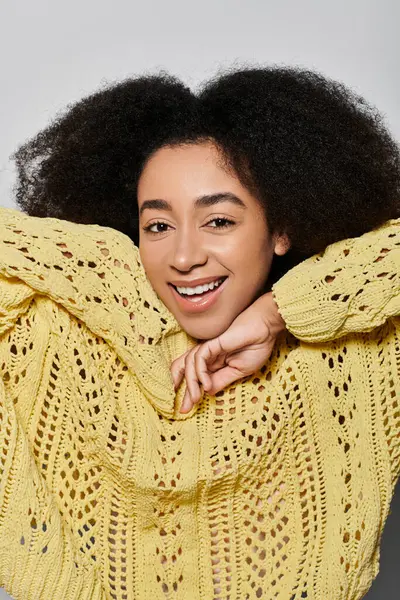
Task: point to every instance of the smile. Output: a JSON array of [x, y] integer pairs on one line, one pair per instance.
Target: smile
[[199, 289], [199, 298]]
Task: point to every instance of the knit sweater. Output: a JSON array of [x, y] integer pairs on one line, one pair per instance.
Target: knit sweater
[[277, 487]]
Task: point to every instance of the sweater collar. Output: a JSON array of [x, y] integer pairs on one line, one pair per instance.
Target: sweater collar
[[97, 275]]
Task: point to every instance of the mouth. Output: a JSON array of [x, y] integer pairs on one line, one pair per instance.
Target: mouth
[[199, 298]]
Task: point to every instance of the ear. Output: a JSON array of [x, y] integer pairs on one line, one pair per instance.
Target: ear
[[281, 244]]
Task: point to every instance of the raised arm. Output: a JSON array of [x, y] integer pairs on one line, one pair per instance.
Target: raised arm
[[353, 286]]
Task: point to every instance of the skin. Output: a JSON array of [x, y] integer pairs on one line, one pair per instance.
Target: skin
[[240, 351], [189, 243]]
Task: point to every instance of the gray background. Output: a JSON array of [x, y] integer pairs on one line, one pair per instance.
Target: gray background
[[52, 53]]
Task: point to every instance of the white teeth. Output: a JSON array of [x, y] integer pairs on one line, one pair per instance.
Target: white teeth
[[199, 289]]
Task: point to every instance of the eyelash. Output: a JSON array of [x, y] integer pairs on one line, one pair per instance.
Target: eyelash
[[228, 223]]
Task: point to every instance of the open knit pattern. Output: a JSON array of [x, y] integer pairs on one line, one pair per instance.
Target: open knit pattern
[[277, 487]]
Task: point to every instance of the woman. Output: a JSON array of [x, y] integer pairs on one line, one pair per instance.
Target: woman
[[268, 471]]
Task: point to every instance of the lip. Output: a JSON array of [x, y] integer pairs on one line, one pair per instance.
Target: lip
[[202, 305], [195, 282]]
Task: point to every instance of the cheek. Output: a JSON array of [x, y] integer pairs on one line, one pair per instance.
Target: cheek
[[252, 261], [153, 268]]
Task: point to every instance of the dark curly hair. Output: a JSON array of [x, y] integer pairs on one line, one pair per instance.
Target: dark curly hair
[[318, 157]]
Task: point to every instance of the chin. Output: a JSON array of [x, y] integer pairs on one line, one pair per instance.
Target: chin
[[204, 332]]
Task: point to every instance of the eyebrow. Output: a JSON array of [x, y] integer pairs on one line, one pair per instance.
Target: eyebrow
[[201, 202]]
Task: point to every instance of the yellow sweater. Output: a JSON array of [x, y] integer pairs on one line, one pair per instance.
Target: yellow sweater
[[276, 488]]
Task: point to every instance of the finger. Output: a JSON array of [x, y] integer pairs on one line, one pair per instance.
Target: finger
[[187, 404], [210, 357], [212, 349], [224, 377], [202, 368], [178, 369], [230, 341], [191, 376]]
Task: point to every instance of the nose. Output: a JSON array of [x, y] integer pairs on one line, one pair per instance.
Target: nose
[[188, 251]]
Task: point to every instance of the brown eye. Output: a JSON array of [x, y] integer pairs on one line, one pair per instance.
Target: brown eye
[[159, 225], [221, 223]]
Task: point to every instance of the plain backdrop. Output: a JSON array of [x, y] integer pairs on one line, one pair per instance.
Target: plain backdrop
[[52, 53]]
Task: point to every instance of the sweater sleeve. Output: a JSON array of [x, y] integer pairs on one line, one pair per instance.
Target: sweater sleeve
[[353, 286], [37, 555]]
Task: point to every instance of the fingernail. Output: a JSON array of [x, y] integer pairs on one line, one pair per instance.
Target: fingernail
[[186, 404], [184, 408]]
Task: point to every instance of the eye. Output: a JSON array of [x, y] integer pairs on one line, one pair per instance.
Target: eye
[[221, 223], [159, 225]]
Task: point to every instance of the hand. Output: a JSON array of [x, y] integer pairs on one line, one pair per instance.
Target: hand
[[238, 352]]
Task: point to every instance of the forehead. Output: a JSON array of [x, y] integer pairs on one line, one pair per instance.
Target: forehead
[[190, 169]]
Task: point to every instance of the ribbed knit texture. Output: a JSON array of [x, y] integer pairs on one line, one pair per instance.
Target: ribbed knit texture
[[276, 488]]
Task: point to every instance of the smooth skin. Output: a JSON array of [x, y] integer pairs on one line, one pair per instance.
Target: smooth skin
[[197, 220], [240, 351]]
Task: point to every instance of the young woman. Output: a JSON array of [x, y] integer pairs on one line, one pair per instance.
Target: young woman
[[200, 344]]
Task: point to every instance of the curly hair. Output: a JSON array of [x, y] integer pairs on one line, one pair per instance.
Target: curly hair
[[318, 158]]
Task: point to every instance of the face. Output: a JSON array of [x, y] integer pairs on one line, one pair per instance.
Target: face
[[204, 240]]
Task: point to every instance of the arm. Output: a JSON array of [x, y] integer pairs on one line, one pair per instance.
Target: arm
[[37, 555], [353, 286]]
